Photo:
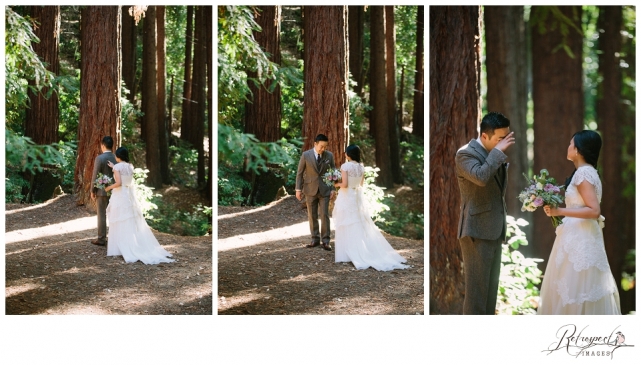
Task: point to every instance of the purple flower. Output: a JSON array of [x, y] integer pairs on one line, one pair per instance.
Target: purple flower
[[548, 187], [538, 201]]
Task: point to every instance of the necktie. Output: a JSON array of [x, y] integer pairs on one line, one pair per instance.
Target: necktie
[[318, 160]]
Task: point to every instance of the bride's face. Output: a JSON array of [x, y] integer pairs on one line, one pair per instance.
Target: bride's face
[[571, 150]]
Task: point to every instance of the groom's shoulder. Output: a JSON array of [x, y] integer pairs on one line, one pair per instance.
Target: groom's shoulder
[[466, 148]]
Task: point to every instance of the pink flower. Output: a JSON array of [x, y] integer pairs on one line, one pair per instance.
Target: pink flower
[[538, 201]]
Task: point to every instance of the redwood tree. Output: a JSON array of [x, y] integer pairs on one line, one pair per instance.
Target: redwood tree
[[392, 112], [150, 98], [379, 116], [418, 119], [42, 117], [263, 110], [356, 23], [208, 33], [326, 106], [454, 116], [99, 90], [608, 114], [163, 137], [557, 93], [506, 64], [129, 40], [195, 134]]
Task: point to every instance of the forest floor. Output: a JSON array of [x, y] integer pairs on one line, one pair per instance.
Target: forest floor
[[265, 268], [52, 268]]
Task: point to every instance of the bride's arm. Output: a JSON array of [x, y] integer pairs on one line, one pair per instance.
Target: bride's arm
[[117, 183], [592, 210], [343, 183]]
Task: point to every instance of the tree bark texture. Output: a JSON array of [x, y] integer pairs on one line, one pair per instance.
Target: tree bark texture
[[608, 116], [150, 98], [356, 23], [100, 107], [263, 112], [418, 120], [43, 116], [197, 110], [326, 106], [455, 61], [392, 124], [163, 138], [185, 124], [506, 64], [129, 40], [557, 92], [378, 91]]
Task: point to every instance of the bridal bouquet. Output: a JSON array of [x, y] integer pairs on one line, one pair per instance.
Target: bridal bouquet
[[102, 181], [542, 190], [332, 176]]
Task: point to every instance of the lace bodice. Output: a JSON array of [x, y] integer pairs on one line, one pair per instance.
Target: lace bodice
[[355, 173], [126, 171], [572, 197]]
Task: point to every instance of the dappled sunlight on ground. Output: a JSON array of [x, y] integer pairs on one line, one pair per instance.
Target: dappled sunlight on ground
[[286, 233], [76, 225]]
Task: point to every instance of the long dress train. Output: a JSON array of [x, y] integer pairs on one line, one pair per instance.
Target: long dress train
[[129, 234], [357, 238], [578, 279]]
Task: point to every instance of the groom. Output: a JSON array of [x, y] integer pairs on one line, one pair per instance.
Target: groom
[[309, 181], [99, 195], [481, 172]]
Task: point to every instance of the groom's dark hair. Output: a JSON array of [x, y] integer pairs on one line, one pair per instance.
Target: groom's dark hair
[[492, 121], [108, 141], [321, 137]]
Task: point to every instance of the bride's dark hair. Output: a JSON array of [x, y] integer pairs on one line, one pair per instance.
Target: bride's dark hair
[[588, 144], [354, 152], [122, 154]]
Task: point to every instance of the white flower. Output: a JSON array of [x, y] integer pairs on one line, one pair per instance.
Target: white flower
[[601, 221], [539, 186]]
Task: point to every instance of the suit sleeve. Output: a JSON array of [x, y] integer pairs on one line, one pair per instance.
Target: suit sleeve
[[332, 163], [479, 173], [300, 171], [94, 175]]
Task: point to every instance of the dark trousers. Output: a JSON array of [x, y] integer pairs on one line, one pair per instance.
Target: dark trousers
[[101, 204], [482, 262], [313, 204]]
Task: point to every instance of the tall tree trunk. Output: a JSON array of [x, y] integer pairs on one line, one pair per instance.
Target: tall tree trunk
[[418, 119], [162, 81], [129, 52], [263, 112], [356, 25], [378, 89], [557, 93], [608, 115], [326, 108], [210, 116], [150, 98], [506, 64], [99, 91], [196, 135], [455, 108], [170, 113], [43, 116], [392, 125], [400, 103], [185, 124]]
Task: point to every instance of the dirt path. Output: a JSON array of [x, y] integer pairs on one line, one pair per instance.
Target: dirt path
[[52, 268], [264, 268]]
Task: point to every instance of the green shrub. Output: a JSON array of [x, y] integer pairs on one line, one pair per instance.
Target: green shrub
[[518, 291], [13, 187]]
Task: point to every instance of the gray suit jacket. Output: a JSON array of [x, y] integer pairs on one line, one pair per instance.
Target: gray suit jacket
[[100, 165], [309, 178], [482, 178]]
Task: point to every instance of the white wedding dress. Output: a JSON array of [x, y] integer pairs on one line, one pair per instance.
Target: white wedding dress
[[578, 279], [357, 239], [129, 234]]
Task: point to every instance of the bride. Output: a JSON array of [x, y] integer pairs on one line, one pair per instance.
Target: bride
[[129, 234], [578, 279], [357, 238]]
